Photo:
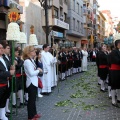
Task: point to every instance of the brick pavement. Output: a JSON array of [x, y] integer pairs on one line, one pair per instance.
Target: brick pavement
[[79, 98]]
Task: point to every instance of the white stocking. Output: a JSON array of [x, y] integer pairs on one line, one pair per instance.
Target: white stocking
[[7, 106], [113, 96], [14, 99]]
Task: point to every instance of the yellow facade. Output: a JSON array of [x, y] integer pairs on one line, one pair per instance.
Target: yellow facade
[[101, 26]]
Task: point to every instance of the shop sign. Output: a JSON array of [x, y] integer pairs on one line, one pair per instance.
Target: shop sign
[[57, 34]]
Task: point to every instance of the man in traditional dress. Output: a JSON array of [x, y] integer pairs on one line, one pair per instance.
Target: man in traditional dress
[[4, 90], [48, 77], [63, 63]]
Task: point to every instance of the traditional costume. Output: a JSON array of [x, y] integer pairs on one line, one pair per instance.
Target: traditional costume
[[84, 60], [49, 79]]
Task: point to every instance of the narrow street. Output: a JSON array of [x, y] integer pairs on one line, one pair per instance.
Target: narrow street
[[77, 98]]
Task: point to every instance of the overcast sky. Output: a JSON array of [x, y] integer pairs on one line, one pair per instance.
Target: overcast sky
[[112, 5]]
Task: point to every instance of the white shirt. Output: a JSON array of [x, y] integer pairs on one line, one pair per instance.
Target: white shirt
[[3, 62], [31, 73], [7, 57]]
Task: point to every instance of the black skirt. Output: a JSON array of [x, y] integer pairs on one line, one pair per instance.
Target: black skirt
[[115, 79], [103, 73]]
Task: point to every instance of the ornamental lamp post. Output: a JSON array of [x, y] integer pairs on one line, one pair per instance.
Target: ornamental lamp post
[[46, 4]]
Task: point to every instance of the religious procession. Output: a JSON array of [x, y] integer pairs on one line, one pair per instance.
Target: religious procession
[[69, 77], [36, 71]]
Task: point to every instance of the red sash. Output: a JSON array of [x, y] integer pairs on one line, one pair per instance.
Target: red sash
[[2, 85], [115, 67], [103, 66]]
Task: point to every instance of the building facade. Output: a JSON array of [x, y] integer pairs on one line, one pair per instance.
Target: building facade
[[57, 20], [109, 27], [95, 25], [88, 21], [101, 21], [75, 20]]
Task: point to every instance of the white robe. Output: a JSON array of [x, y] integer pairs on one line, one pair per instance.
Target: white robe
[[47, 60], [84, 60]]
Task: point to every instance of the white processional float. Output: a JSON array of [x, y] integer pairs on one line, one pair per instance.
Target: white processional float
[[13, 35], [32, 39]]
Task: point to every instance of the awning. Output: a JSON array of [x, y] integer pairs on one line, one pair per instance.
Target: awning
[[84, 41]]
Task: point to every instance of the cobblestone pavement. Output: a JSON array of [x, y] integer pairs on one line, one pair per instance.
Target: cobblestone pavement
[[77, 98]]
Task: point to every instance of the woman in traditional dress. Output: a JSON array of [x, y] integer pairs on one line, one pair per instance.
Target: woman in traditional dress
[[103, 66]]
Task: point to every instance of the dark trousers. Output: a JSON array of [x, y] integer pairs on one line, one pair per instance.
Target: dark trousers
[[4, 94], [31, 107]]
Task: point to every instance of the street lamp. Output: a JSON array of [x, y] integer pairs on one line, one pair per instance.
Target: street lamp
[[46, 4]]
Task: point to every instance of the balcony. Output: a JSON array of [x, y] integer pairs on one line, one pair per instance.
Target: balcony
[[61, 24], [90, 25]]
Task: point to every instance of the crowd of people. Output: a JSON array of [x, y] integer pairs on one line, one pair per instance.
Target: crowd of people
[[36, 71]]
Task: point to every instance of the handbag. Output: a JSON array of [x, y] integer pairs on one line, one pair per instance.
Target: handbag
[[40, 85]]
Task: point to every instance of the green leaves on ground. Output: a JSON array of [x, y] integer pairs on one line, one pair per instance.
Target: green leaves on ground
[[84, 88], [63, 103]]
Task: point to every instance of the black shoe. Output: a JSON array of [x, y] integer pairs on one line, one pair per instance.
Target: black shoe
[[118, 101], [99, 84], [21, 104], [115, 105], [102, 90], [9, 113], [13, 112], [110, 97], [15, 106], [26, 102]]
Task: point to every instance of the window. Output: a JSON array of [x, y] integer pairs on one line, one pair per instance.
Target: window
[[73, 23], [78, 26], [55, 13], [78, 8], [65, 17], [73, 4], [81, 28], [81, 11]]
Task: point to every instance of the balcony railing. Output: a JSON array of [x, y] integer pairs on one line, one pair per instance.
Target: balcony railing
[[90, 25]]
